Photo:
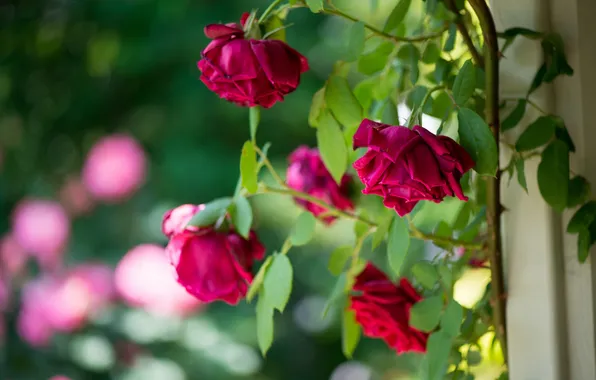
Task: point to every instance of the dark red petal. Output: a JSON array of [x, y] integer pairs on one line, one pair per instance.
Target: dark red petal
[[214, 31]]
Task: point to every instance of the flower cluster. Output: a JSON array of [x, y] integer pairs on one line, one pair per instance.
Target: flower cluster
[[402, 165]]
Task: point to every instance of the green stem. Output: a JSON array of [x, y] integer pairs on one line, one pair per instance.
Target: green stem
[[493, 201], [414, 232], [463, 31], [387, 36], [269, 10], [416, 114], [270, 167]]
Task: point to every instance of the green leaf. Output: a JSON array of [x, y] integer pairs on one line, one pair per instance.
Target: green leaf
[[582, 218], [561, 133], [364, 92], [342, 102], [332, 146], [515, 116], [338, 259], [376, 60], [452, 318], [315, 5], [242, 216], [248, 167], [415, 98], [277, 284], [478, 141], [465, 83], [425, 273], [450, 41], [425, 314], [474, 357], [274, 28], [521, 174], [446, 276], [397, 15], [537, 134], [538, 79], [510, 34], [350, 333], [211, 213], [304, 229], [431, 53], [254, 117], [583, 245], [554, 57], [337, 293], [264, 324], [579, 191], [316, 108], [553, 175], [398, 244], [257, 282], [355, 44], [381, 231], [438, 348]]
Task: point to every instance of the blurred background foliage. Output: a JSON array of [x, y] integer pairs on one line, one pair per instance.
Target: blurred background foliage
[[72, 71]]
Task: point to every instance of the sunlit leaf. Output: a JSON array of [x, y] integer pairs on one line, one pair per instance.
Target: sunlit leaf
[[277, 283], [304, 229], [478, 141]]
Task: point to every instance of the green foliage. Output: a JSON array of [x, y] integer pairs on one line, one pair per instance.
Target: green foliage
[[341, 101], [277, 284], [397, 15], [248, 167], [316, 107], [350, 333], [425, 314], [332, 146], [425, 273], [374, 61], [355, 43], [537, 134], [338, 259], [398, 244], [304, 229], [241, 213], [437, 356], [257, 282], [579, 191], [452, 318], [515, 116], [553, 175], [478, 141], [213, 211], [465, 83], [315, 5], [264, 324]]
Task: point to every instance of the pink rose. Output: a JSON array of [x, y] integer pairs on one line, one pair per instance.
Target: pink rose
[[41, 228], [212, 265], [383, 310], [144, 278], [249, 72], [405, 166], [307, 173], [75, 198], [63, 302], [115, 168]]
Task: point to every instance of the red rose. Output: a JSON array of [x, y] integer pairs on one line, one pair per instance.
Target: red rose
[[211, 265], [249, 72], [405, 166], [307, 173], [383, 310]]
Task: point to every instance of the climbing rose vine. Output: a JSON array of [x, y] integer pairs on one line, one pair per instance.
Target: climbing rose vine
[[437, 182]]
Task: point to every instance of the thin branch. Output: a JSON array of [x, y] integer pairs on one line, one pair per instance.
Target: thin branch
[[268, 11], [493, 201], [270, 167], [387, 36], [463, 30]]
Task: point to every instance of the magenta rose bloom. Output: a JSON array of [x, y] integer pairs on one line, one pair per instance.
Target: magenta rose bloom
[[249, 72], [307, 173], [383, 310], [211, 265], [405, 166]]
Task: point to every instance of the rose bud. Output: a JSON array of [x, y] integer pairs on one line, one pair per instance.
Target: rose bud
[[210, 264], [307, 173], [248, 71], [383, 310], [405, 166]]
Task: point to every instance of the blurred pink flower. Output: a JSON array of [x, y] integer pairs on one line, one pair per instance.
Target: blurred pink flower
[[64, 302], [115, 168], [59, 377], [12, 256], [75, 198], [144, 278], [42, 228]]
